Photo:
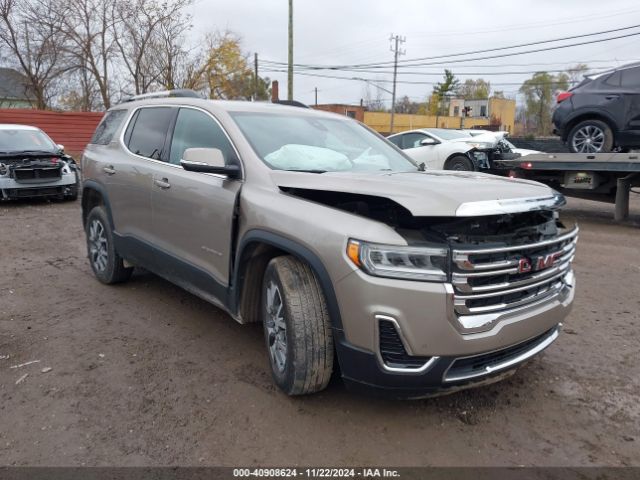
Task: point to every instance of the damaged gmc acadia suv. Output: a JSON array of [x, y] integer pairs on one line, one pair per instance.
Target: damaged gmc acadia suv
[[419, 282]]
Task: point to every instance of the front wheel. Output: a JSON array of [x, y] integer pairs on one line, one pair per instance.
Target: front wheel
[[590, 136], [297, 328], [459, 163]]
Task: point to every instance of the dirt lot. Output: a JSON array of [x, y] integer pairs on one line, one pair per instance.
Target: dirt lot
[[147, 374]]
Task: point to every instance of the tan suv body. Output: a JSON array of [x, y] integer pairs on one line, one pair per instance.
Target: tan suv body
[[420, 281]]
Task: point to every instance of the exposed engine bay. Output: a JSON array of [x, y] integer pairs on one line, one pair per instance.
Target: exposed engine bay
[[505, 229]]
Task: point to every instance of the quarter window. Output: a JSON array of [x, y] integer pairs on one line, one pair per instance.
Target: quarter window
[[107, 127], [149, 132], [614, 79], [631, 77], [196, 129]]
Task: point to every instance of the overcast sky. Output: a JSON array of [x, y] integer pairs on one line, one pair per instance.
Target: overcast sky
[[341, 32]]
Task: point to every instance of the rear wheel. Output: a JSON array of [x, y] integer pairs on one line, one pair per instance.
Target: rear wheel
[[590, 136], [296, 326], [107, 265], [459, 163]]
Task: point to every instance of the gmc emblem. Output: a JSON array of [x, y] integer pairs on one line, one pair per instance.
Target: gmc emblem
[[540, 262]]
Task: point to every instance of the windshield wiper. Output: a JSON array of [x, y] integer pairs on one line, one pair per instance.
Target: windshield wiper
[[305, 170]]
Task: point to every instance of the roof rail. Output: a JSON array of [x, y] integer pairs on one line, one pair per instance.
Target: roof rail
[[291, 103], [183, 92]]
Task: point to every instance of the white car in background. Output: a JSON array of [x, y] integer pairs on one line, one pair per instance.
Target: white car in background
[[445, 149], [32, 165]]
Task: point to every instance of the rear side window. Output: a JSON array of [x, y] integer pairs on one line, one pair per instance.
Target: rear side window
[[108, 127], [149, 131], [631, 77]]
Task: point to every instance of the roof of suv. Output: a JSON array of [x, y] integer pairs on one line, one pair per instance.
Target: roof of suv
[[229, 106]]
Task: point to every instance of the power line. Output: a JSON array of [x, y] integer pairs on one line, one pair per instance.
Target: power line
[[420, 59], [374, 81]]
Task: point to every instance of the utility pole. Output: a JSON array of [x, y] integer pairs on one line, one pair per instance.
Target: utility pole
[[255, 75], [290, 72], [395, 41], [316, 97]]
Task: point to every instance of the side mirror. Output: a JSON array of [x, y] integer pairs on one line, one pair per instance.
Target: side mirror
[[208, 160], [60, 148], [429, 141]]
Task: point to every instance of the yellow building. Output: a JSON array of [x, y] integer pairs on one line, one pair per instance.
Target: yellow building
[[494, 113]]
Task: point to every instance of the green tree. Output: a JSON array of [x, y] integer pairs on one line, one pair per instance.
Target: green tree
[[474, 89], [443, 91], [539, 93]]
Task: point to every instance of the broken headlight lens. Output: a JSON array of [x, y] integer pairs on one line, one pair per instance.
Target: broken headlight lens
[[410, 263]]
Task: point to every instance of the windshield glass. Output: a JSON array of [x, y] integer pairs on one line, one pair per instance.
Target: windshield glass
[[445, 134], [19, 140], [309, 143]]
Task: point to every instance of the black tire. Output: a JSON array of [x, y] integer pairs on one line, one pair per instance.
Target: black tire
[[590, 136], [107, 265], [459, 163], [308, 362]]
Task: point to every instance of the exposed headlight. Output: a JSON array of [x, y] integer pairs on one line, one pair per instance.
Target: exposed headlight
[[480, 145], [410, 263]]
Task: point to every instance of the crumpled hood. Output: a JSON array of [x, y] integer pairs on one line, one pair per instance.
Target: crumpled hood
[[493, 138], [432, 193]]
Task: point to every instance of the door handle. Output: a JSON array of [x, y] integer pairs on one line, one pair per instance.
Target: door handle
[[612, 97], [109, 170], [164, 183]]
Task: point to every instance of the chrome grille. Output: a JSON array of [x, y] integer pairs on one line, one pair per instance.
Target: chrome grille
[[495, 279]]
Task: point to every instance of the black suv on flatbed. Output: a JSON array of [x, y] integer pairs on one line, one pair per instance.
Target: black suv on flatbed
[[602, 113]]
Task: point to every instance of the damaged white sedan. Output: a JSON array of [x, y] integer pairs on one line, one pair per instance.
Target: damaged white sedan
[[32, 165], [448, 149]]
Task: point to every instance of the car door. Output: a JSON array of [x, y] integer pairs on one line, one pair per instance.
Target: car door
[[193, 213], [427, 154], [130, 178], [630, 86], [606, 95]]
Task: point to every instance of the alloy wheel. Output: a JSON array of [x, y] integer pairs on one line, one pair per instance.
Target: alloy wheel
[[589, 139], [98, 252], [276, 327]]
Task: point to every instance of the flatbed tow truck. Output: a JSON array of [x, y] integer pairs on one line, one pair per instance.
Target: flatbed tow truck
[[606, 177]]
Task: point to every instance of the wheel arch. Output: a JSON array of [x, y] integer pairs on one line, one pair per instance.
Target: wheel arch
[[255, 250], [94, 194]]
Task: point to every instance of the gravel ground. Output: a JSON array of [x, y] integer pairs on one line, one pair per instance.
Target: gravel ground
[[147, 374]]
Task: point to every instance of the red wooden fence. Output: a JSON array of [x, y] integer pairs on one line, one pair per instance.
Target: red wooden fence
[[71, 129]]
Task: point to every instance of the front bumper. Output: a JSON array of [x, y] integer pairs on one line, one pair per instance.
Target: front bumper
[[10, 189], [362, 372], [412, 339]]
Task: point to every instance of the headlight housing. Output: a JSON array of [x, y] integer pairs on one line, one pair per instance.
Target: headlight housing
[[481, 145], [428, 264]]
